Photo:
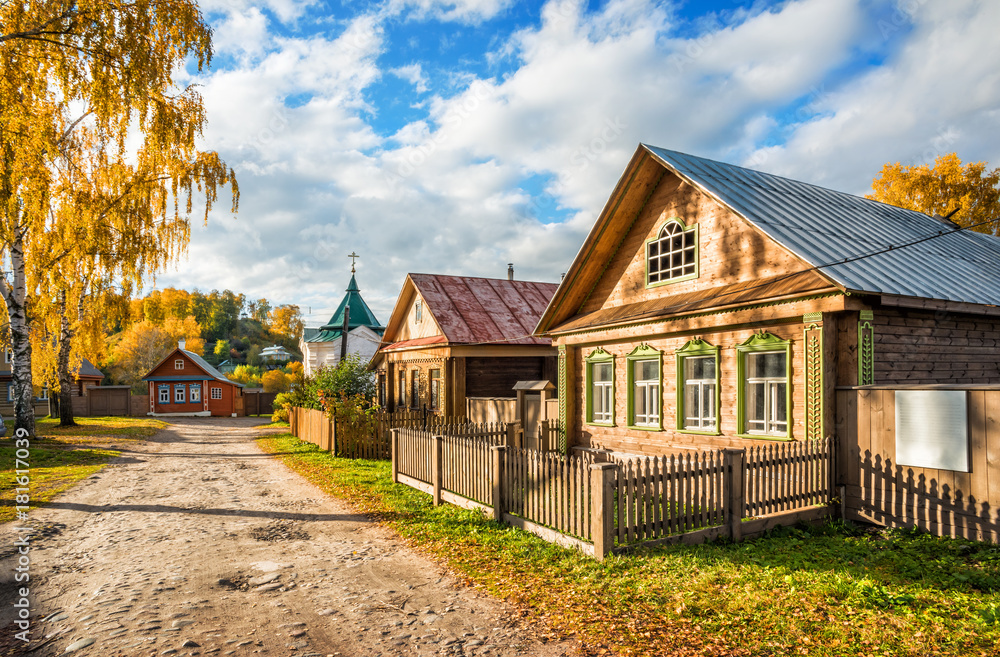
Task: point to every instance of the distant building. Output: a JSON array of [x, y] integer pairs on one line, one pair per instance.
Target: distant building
[[275, 353], [183, 383], [323, 346]]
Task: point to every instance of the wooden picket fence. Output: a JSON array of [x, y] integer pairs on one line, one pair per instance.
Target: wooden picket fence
[[674, 494], [602, 508], [548, 489], [788, 476], [361, 442]]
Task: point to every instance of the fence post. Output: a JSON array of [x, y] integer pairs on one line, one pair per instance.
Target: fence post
[[602, 504], [732, 485], [333, 435], [498, 452], [394, 454], [513, 431], [436, 473]]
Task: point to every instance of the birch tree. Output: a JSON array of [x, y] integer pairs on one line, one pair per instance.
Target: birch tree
[[82, 80]]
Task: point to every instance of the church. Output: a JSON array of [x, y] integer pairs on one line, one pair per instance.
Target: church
[[326, 345]]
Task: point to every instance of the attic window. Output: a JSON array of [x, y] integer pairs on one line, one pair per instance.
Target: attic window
[[418, 311], [673, 254], [179, 364]]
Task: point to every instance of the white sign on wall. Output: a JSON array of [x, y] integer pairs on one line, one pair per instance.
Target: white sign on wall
[[932, 429]]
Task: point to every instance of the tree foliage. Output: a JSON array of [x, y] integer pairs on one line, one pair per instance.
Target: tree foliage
[[286, 320], [99, 166], [972, 190]]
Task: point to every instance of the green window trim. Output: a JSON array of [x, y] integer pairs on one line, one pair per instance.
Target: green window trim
[[643, 353], [697, 348], [659, 234], [757, 343], [598, 356]]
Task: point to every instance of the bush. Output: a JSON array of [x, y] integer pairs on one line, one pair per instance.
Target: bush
[[349, 379]]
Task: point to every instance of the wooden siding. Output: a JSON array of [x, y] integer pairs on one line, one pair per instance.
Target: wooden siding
[[922, 347], [943, 502], [729, 250], [621, 438]]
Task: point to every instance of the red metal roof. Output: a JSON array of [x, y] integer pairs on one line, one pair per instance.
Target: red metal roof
[[474, 310], [416, 342]]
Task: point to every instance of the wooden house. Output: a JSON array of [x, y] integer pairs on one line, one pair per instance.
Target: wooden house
[[183, 383], [451, 338], [85, 377], [323, 346], [716, 306]]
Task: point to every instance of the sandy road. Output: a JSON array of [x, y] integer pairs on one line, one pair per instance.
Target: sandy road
[[196, 543]]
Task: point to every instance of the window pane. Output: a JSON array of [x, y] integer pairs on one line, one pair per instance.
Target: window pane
[[708, 405], [602, 371], [647, 370], [692, 408], [701, 367], [770, 365], [755, 402], [780, 405]]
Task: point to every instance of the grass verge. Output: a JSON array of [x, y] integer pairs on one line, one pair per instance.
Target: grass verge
[[831, 590], [58, 457]]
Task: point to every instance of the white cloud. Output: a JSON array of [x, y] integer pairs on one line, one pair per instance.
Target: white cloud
[[414, 74], [462, 11]]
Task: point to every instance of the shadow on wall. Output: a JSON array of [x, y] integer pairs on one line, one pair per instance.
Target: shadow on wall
[[897, 495]]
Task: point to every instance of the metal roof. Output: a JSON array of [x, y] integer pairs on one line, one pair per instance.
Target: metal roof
[[822, 226], [485, 310]]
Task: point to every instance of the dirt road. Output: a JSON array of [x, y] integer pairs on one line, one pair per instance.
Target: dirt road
[[196, 543]]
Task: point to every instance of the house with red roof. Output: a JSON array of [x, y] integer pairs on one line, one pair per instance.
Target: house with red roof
[[450, 338], [183, 383]]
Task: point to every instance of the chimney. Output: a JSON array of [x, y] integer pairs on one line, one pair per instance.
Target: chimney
[[181, 343], [562, 276], [510, 271]]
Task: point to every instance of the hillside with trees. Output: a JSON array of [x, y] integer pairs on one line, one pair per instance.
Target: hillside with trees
[[222, 327]]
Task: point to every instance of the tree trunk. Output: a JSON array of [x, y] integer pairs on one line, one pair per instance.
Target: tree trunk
[[62, 366], [20, 341]]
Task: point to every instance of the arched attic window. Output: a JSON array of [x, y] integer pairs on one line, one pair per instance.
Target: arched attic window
[[673, 254]]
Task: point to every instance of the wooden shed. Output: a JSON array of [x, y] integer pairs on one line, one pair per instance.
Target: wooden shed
[[184, 384], [451, 338]]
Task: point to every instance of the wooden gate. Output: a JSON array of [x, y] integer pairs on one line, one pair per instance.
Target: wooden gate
[[108, 400], [256, 402]]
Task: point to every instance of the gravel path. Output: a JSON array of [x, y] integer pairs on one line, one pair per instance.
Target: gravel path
[[197, 543]]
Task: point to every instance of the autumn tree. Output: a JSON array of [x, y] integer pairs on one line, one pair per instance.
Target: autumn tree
[[136, 351], [972, 191], [103, 68], [286, 320], [275, 381]]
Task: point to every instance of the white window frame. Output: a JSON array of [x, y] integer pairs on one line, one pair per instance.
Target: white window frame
[[435, 388], [216, 393], [178, 363], [660, 266], [8, 355], [163, 394], [602, 394], [195, 393], [180, 393], [768, 425], [704, 419], [649, 391]]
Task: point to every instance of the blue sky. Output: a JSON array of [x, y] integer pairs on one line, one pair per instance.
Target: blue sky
[[455, 137]]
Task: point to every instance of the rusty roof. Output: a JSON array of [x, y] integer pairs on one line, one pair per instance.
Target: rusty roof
[[679, 305], [472, 310]]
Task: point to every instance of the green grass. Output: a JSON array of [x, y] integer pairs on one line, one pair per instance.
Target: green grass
[[827, 591], [61, 456]]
